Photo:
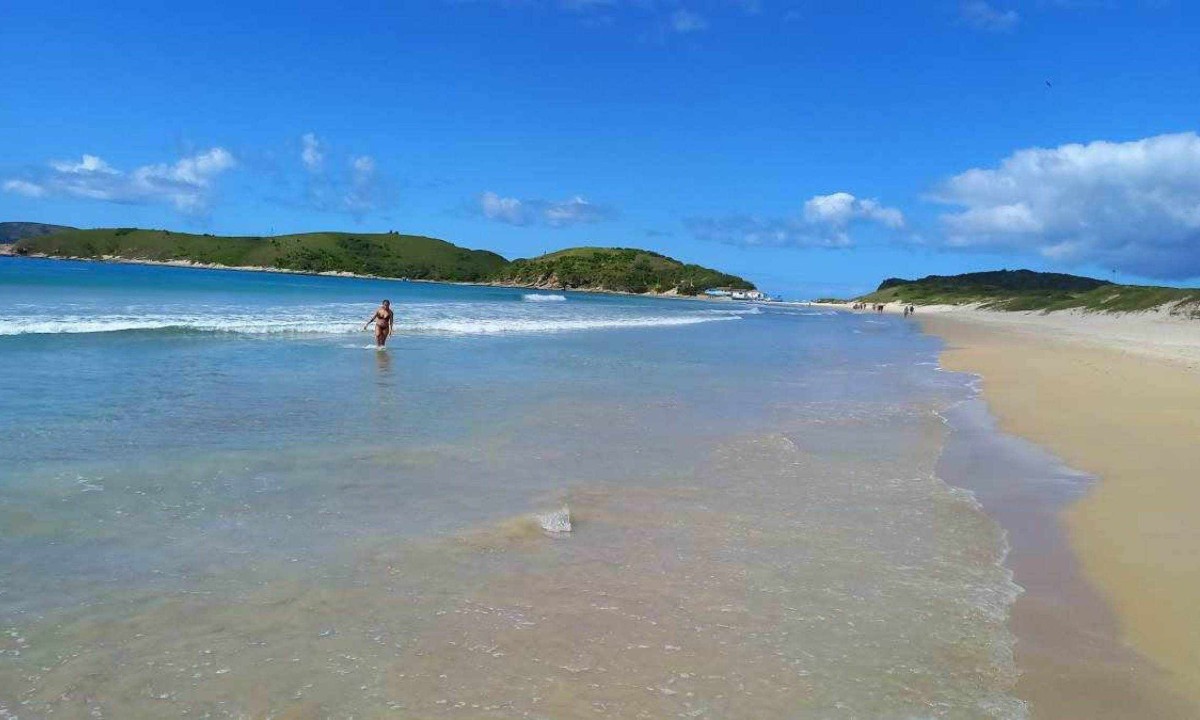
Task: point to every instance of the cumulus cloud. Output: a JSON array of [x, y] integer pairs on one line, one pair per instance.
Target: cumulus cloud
[[187, 184], [840, 208], [512, 211], [982, 15], [1133, 206], [506, 210], [824, 222], [312, 153]]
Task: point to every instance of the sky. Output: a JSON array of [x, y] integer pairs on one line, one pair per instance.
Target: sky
[[813, 147]]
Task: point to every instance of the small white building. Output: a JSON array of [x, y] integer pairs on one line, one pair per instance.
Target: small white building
[[735, 294], [747, 295]]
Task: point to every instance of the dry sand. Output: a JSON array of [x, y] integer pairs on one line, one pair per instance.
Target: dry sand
[[1119, 398]]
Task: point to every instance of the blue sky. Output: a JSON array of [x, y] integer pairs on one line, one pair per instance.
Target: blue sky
[[814, 147]]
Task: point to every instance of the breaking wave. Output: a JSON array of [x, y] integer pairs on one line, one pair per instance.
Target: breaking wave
[[317, 325], [543, 297]]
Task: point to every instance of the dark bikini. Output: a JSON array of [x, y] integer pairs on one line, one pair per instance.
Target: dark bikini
[[383, 323]]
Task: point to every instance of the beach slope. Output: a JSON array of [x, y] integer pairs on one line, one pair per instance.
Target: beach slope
[[1119, 398]]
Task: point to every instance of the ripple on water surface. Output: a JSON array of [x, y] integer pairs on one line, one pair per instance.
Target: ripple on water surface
[[269, 524], [781, 576]]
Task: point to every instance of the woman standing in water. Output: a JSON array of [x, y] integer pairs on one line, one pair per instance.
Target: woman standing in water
[[382, 318]]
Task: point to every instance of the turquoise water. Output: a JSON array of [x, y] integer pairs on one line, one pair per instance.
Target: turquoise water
[[218, 500]]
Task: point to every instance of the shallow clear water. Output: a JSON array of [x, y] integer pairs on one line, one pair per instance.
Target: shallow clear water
[[216, 500]]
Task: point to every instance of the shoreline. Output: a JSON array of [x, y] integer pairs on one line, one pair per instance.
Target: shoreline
[[193, 265], [1105, 628], [1155, 334]]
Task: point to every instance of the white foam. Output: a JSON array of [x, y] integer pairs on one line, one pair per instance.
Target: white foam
[[746, 310], [517, 325], [543, 297], [556, 522], [443, 323]]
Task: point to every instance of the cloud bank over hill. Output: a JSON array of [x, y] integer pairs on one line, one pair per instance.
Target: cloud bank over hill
[[1133, 206]]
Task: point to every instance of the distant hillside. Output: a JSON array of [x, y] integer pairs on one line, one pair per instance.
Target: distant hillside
[[386, 254], [617, 269], [389, 255], [1029, 290], [10, 232], [1002, 280]]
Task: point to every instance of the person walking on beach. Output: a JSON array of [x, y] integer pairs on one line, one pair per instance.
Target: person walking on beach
[[382, 318]]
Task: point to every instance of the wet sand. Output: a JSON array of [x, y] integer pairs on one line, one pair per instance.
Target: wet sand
[[1107, 626]]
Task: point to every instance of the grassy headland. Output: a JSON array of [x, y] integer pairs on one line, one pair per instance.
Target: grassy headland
[[1029, 290], [617, 269], [388, 255]]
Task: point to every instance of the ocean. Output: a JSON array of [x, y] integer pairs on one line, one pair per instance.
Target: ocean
[[217, 499]]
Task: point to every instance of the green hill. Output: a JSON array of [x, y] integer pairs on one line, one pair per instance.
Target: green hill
[[616, 269], [1029, 290], [383, 254], [10, 232], [389, 255]]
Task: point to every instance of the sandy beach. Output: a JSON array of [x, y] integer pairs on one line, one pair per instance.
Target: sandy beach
[[1107, 626]]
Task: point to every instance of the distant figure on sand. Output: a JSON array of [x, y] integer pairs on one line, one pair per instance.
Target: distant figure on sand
[[382, 318]]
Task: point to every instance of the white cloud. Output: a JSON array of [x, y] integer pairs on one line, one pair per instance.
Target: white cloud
[[683, 22], [574, 211], [825, 222], [981, 15], [24, 187], [502, 209], [835, 208], [89, 164], [752, 231], [1134, 206], [840, 208], [872, 210], [312, 152], [187, 184]]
